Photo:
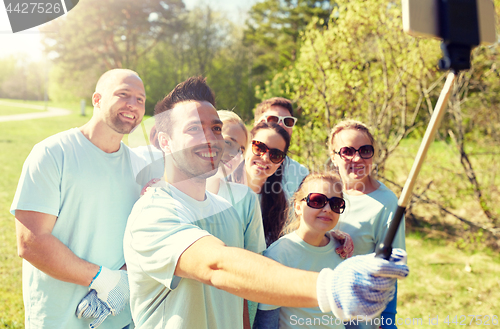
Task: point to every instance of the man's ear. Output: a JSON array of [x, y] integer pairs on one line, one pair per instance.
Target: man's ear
[[96, 98], [164, 142]]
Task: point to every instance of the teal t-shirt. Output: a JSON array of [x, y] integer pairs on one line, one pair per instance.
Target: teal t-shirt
[[247, 205], [366, 219], [91, 193], [294, 174], [290, 250], [162, 225]]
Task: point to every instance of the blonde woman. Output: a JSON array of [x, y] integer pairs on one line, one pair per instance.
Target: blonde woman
[[371, 204]]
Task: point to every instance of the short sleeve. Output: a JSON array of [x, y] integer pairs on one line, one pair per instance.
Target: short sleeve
[[39, 185], [159, 236]]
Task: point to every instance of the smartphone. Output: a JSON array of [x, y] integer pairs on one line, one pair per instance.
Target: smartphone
[[421, 19]]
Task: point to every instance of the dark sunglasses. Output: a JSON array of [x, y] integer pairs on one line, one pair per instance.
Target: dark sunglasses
[[288, 121], [318, 201], [365, 152], [275, 155]]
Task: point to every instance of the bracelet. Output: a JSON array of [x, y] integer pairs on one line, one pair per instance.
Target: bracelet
[[100, 268]]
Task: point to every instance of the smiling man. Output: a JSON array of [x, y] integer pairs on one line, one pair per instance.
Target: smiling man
[[183, 245], [71, 206]]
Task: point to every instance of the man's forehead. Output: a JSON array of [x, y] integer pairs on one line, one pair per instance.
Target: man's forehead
[[274, 110], [130, 85], [195, 112]]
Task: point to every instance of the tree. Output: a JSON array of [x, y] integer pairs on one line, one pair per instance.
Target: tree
[[111, 34], [273, 32], [363, 66], [100, 35]]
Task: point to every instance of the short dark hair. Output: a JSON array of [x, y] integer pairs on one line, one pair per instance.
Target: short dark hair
[[265, 106], [193, 89]]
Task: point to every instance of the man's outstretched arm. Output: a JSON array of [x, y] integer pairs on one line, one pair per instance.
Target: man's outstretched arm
[[247, 274], [361, 285]]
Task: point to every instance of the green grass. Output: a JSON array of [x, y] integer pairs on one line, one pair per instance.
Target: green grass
[[17, 138], [438, 283], [443, 179], [11, 110]]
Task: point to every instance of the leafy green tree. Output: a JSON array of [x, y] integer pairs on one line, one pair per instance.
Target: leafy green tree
[[100, 35], [22, 79], [273, 32], [363, 66]]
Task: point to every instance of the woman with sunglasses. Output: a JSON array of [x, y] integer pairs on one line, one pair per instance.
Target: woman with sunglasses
[[264, 171], [371, 203], [308, 245]]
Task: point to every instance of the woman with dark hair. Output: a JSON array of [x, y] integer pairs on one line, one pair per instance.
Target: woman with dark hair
[[264, 170]]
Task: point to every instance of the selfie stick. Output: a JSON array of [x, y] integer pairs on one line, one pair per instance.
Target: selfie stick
[[384, 250], [456, 47]]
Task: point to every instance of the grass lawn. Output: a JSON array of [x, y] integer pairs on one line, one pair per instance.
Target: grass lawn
[[444, 279], [11, 110]]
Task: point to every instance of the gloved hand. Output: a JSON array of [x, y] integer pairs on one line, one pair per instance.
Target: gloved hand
[[361, 285], [92, 307], [347, 246], [112, 288]]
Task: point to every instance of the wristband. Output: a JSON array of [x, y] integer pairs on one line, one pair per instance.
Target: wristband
[[98, 272]]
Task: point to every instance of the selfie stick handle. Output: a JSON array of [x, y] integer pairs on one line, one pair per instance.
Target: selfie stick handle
[[384, 249]]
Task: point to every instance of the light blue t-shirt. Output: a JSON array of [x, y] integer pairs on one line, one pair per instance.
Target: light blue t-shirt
[[162, 225], [294, 174], [91, 193], [290, 250], [247, 205], [366, 219]]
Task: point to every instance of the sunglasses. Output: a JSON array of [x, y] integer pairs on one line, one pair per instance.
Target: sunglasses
[[318, 201], [288, 121], [365, 152], [275, 155]]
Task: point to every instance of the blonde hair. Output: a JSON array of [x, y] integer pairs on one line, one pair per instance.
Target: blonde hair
[[231, 117], [293, 222]]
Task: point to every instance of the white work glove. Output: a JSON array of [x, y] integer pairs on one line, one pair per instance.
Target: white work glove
[[92, 307], [112, 288], [361, 285]]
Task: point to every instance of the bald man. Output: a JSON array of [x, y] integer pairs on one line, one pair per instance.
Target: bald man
[[74, 195]]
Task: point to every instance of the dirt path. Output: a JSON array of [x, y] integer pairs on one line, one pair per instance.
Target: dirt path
[[51, 112]]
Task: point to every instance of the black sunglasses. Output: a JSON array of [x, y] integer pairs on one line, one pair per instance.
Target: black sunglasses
[[318, 201], [365, 152], [275, 155], [288, 121]]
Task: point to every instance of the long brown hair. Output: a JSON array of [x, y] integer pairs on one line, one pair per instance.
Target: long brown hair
[[273, 203]]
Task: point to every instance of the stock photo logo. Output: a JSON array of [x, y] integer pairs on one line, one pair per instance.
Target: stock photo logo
[[25, 14]]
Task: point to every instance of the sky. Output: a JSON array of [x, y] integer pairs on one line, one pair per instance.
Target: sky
[[28, 42]]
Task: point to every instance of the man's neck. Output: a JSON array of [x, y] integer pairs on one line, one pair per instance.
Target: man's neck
[[193, 187], [99, 134], [213, 184]]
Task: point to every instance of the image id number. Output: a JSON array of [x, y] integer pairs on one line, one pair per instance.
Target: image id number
[[34, 7], [468, 320]]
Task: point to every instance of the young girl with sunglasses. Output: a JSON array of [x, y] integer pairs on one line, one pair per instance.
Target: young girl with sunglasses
[[264, 171], [309, 245], [371, 203]]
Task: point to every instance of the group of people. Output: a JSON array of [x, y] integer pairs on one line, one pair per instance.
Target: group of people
[[116, 237]]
